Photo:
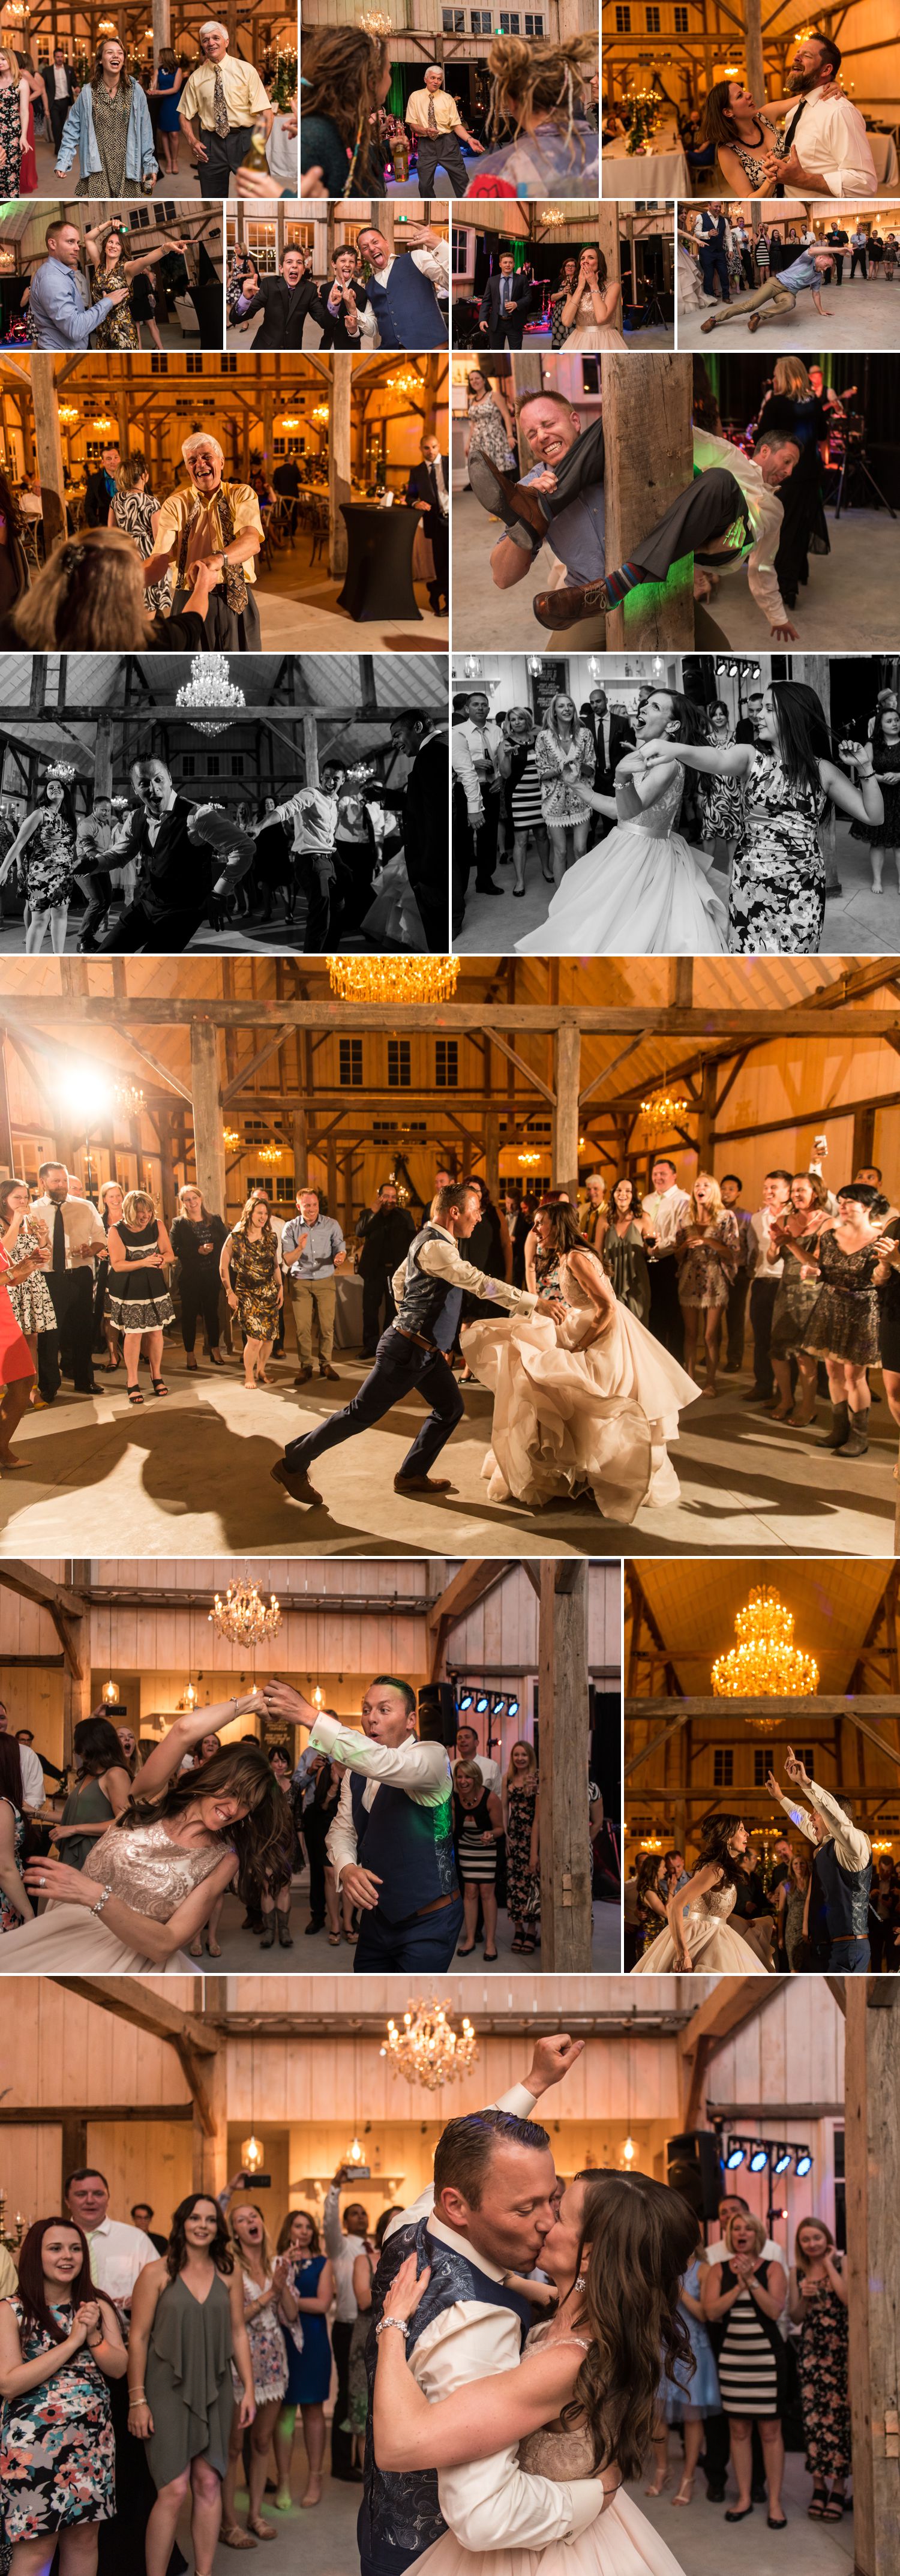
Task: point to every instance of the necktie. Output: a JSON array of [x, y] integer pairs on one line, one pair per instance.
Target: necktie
[[220, 104], [59, 1245], [790, 130], [432, 119]]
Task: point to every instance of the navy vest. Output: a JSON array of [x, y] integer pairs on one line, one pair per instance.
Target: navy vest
[[846, 1895], [410, 1848], [400, 2514], [427, 1305], [406, 308]]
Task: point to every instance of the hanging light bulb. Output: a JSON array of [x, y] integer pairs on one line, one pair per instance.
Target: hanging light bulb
[[252, 2154], [110, 1692]]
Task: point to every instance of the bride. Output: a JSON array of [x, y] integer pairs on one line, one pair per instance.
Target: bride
[[583, 1406], [698, 1933], [587, 314], [582, 2402], [155, 1875], [641, 892]]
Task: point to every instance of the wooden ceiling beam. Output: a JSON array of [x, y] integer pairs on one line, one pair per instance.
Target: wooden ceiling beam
[[128, 1999], [34, 1586], [593, 1020]]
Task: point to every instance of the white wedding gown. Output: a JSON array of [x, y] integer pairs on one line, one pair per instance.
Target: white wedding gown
[[573, 1421], [709, 1940], [588, 334], [640, 893], [620, 2542], [151, 1873]]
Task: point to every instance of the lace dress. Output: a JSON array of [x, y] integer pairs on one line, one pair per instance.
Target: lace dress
[[619, 2542], [149, 1872], [267, 2352], [845, 1319], [569, 1420], [708, 1938], [706, 1273], [559, 769], [777, 896], [586, 333], [640, 893]]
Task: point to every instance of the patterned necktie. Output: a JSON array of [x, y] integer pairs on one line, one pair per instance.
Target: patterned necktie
[[220, 104], [432, 119]]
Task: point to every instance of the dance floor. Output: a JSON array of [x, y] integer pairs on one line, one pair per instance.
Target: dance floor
[[189, 1475], [864, 314], [849, 604]]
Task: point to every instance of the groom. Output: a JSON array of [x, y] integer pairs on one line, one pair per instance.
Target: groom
[[487, 2213], [842, 1869], [391, 1843]]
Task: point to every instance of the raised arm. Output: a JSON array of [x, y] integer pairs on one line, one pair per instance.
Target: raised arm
[[865, 802], [184, 1732]]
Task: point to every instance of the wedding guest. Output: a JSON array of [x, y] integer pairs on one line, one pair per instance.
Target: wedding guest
[[796, 1943], [477, 1830], [844, 1323], [15, 1903], [747, 2296], [620, 1242], [60, 2346], [687, 2401], [730, 1187], [197, 1243], [564, 754], [130, 1756], [134, 508], [15, 104], [520, 1795], [766, 1266], [383, 1236], [43, 854], [346, 78], [312, 1251], [268, 2299], [435, 119], [142, 2215], [342, 2245], [665, 1210], [568, 275], [187, 2333], [651, 1898], [308, 2352], [222, 104], [825, 148], [29, 1296], [817, 2302], [139, 1300], [468, 1750], [108, 127], [91, 597], [251, 1276], [102, 1792], [215, 521], [795, 1298], [76, 1235]]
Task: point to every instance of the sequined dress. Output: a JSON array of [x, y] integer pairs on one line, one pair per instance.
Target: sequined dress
[[709, 1939], [146, 1870], [619, 2542], [640, 893]]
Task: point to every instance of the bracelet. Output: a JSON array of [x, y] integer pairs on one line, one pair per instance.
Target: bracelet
[[136, 2397], [393, 2321], [102, 1900]]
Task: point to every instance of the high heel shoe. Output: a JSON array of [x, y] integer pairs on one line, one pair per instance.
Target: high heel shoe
[[685, 2492], [659, 2484]]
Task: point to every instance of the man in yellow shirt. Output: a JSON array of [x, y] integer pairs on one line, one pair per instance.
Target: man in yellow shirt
[[211, 520], [433, 116], [218, 108]]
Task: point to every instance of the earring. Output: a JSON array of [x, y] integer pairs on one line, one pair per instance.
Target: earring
[[580, 2283]]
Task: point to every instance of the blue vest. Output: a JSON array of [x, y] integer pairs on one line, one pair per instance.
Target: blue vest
[[406, 308], [427, 1305], [410, 1848], [846, 1895], [400, 2514]]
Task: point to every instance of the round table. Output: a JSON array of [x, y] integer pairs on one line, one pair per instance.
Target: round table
[[378, 581], [660, 173]]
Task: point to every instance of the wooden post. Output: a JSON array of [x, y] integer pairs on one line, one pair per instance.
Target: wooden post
[[567, 1084], [311, 750], [76, 1704], [49, 449], [492, 1153], [299, 1131], [6, 1142], [608, 236], [209, 1150], [649, 460], [339, 458], [872, 2149], [707, 1114], [753, 51], [565, 1846], [211, 2152], [103, 757]]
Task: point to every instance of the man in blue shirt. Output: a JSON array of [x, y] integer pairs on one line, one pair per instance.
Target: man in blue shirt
[[60, 309], [312, 1248], [810, 268]]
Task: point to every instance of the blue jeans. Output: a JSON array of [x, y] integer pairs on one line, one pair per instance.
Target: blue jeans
[[849, 1959], [400, 1367], [427, 1941]]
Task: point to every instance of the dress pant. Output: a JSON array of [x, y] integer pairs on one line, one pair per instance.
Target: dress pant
[[225, 152], [377, 1294], [341, 2441], [763, 1293], [485, 838], [781, 298], [199, 1291], [714, 264], [59, 109], [425, 1941], [323, 905], [838, 258], [858, 260], [666, 1320], [321, 1294], [99, 900], [735, 1316], [161, 934], [441, 152], [849, 1959], [401, 1369], [72, 1293], [463, 832], [437, 530]]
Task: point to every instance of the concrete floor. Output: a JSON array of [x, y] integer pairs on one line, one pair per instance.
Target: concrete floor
[[487, 620], [849, 604], [64, 183], [315, 1953], [189, 1476], [659, 338], [862, 314]]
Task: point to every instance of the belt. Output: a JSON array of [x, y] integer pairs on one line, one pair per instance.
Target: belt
[[436, 1907], [420, 1338]]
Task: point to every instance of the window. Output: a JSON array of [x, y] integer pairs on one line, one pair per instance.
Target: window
[[623, 22], [682, 22], [652, 18], [228, 363], [260, 242], [398, 1064], [193, 359], [454, 22], [480, 22], [351, 1064], [445, 1064], [509, 22], [281, 1187], [459, 252], [533, 26], [384, 1130], [159, 362], [723, 1766]]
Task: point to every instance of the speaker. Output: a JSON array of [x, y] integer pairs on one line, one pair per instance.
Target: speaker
[[438, 1717], [694, 2167]]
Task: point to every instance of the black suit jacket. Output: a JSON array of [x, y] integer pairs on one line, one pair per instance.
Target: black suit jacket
[[621, 739], [422, 487], [489, 311], [284, 310], [96, 500], [335, 334], [175, 873]]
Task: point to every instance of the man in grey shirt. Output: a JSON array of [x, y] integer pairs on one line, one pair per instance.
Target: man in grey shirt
[[312, 1248], [60, 309], [571, 518]]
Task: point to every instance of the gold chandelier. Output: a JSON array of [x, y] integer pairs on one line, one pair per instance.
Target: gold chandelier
[[765, 1663], [393, 979], [271, 1153], [128, 1097], [230, 1138], [427, 2050], [244, 1617], [408, 381], [664, 1109]]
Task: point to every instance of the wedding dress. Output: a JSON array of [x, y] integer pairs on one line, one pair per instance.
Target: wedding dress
[[712, 1946], [588, 334], [149, 1872], [571, 1421], [620, 2542], [640, 893]]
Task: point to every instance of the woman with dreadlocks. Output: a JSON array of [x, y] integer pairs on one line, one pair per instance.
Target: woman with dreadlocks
[[542, 91]]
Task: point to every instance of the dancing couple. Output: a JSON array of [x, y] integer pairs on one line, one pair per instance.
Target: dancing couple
[[585, 1400], [491, 2441]]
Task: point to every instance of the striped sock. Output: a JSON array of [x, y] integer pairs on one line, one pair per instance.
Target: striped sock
[[626, 578]]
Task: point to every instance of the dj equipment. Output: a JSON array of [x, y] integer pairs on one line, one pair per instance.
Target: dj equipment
[[694, 2168], [846, 447]]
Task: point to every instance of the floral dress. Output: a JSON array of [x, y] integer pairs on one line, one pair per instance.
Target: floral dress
[[254, 1279], [111, 114], [119, 331], [720, 801], [267, 2353], [10, 138], [10, 1918], [709, 1268], [30, 1299], [824, 2397], [489, 435], [776, 903], [560, 801], [47, 863], [57, 2453], [522, 1882], [557, 307], [845, 1319]]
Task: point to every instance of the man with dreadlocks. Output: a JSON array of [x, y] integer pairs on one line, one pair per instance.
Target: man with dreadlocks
[[212, 520]]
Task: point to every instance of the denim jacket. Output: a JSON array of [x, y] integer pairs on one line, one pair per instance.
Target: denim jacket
[[79, 137]]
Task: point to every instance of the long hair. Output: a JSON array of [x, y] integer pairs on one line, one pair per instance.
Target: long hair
[[637, 2239], [342, 70], [243, 1221], [97, 1744], [265, 2248], [242, 1771], [90, 597], [549, 79], [704, 400], [567, 1234], [551, 718], [6, 1190], [648, 1870], [189, 1190], [717, 124], [599, 257], [9, 506], [11, 1771], [66, 806], [695, 1217], [637, 1203], [221, 2250], [131, 470], [510, 1776], [35, 2311], [790, 377], [714, 1853], [803, 736], [799, 2262], [97, 73], [284, 2232]]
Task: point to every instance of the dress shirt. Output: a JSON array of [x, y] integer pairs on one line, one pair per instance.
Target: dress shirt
[[490, 2504], [60, 310], [852, 1846], [830, 142], [761, 1232], [324, 1241], [206, 536], [304, 1776], [423, 1770], [447, 110], [770, 2253], [433, 260], [81, 1224], [245, 97], [765, 514], [117, 2254], [667, 1210], [443, 1260], [32, 1771], [314, 817], [802, 272], [473, 753], [342, 2252]]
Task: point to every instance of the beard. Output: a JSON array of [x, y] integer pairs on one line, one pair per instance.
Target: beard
[[800, 82]]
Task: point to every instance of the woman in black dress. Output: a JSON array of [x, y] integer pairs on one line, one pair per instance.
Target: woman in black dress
[[197, 1240], [844, 1327], [793, 407], [139, 1301], [477, 1835]]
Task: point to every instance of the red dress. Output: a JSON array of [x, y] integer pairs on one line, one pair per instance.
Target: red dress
[[15, 1357]]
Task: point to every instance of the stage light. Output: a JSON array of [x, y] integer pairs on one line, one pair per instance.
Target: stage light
[[803, 2165], [498, 1703], [482, 1703], [759, 2158], [512, 1707], [781, 2160], [734, 2157], [465, 1699]]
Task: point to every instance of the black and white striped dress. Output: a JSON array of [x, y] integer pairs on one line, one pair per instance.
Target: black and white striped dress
[[476, 1859], [751, 2357]]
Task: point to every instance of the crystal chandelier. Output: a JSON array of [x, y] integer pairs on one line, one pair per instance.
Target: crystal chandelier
[[375, 23], [128, 1097], [230, 1138], [68, 415], [664, 1109], [319, 414], [393, 979], [408, 382], [427, 2050], [209, 686], [243, 1617], [528, 1158], [553, 215], [271, 1153], [765, 1663]]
